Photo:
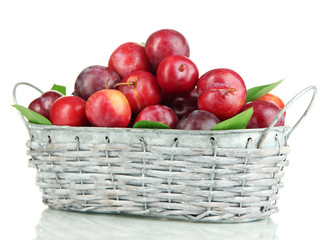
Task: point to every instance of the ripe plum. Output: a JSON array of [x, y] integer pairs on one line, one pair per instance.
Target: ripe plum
[[198, 120], [108, 108], [141, 90], [43, 104], [222, 92], [129, 57], [264, 113], [177, 74], [182, 104], [158, 113], [274, 99], [93, 79], [68, 111], [163, 43]]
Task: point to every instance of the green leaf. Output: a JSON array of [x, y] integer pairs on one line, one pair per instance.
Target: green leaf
[[237, 122], [60, 89], [257, 92], [150, 124], [32, 116]]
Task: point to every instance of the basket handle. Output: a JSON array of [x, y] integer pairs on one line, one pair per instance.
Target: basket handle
[[15, 100], [298, 95]]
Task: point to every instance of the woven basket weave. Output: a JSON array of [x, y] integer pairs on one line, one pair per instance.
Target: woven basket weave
[[216, 176]]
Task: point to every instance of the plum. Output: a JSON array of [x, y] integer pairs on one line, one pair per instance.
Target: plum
[[182, 104], [222, 92], [198, 120], [163, 43], [274, 99], [42, 104], [158, 113], [129, 57], [108, 108], [177, 74], [68, 111], [264, 113], [93, 79], [141, 90]]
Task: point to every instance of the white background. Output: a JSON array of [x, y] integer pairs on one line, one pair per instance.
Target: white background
[[46, 42]]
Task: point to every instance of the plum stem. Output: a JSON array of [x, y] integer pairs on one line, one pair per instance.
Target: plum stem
[[227, 90], [230, 90], [107, 84], [124, 83], [181, 67]]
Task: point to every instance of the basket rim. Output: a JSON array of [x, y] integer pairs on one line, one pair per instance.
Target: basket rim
[[283, 129]]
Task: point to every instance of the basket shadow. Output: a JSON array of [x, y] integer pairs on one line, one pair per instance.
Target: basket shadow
[[58, 224]]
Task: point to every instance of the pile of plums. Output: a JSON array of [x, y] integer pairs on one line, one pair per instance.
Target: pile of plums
[[155, 81]]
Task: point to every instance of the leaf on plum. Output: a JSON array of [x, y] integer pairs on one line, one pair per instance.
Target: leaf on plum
[[32, 116], [150, 124], [59, 88], [259, 91], [239, 121]]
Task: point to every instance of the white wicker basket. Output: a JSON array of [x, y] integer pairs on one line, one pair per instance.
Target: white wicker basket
[[216, 176]]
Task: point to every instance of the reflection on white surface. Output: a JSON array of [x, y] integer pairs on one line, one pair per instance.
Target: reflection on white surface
[[57, 224]]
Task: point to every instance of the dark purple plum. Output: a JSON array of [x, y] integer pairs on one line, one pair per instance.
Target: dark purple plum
[[198, 120], [182, 104], [43, 103], [93, 79]]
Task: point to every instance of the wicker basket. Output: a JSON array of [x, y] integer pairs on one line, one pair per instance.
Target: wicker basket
[[216, 176]]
